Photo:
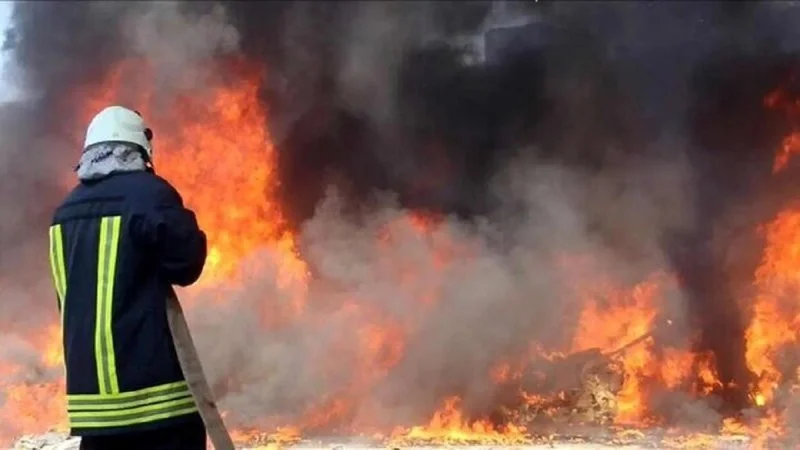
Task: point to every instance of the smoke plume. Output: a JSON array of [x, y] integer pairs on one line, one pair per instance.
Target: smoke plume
[[630, 132]]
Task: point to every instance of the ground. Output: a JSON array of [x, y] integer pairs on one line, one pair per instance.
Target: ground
[[55, 441]]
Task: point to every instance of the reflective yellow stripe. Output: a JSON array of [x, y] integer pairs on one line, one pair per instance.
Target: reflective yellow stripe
[[130, 408], [103, 337], [116, 223], [57, 265], [98, 327], [127, 413], [133, 418], [113, 405], [125, 398]]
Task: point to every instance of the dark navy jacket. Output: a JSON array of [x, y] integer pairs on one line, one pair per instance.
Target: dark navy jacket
[[117, 245]]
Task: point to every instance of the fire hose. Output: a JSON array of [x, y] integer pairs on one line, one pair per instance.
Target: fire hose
[[195, 378]]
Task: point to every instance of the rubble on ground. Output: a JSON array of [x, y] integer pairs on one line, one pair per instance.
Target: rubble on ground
[[60, 441], [48, 441]]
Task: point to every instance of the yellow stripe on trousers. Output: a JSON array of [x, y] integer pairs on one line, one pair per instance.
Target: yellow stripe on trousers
[[57, 265], [106, 274]]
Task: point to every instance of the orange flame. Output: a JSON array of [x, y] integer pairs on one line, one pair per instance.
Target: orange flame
[[790, 146], [613, 319], [775, 312], [448, 426], [215, 149]]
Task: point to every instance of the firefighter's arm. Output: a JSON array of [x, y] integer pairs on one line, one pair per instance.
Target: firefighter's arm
[[171, 233]]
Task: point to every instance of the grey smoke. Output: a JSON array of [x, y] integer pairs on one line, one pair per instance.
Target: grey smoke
[[489, 303], [178, 44], [595, 157]]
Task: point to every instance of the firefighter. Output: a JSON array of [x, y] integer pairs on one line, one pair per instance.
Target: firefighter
[[118, 244]]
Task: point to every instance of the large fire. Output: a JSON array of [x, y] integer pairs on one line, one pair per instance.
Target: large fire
[[216, 150]]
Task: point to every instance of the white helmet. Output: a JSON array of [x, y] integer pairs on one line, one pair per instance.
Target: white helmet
[[118, 124]]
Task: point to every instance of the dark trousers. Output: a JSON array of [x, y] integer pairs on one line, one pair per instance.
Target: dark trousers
[[184, 436]]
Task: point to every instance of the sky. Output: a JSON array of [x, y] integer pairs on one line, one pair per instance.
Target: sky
[[6, 90]]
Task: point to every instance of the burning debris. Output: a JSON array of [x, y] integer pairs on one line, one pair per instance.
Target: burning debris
[[585, 384], [532, 245]]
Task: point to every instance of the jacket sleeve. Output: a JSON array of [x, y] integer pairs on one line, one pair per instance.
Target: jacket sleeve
[[161, 224]]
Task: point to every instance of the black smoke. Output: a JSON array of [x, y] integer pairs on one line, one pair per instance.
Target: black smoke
[[601, 81]]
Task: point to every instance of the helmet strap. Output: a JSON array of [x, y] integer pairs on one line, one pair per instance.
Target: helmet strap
[[148, 161]]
